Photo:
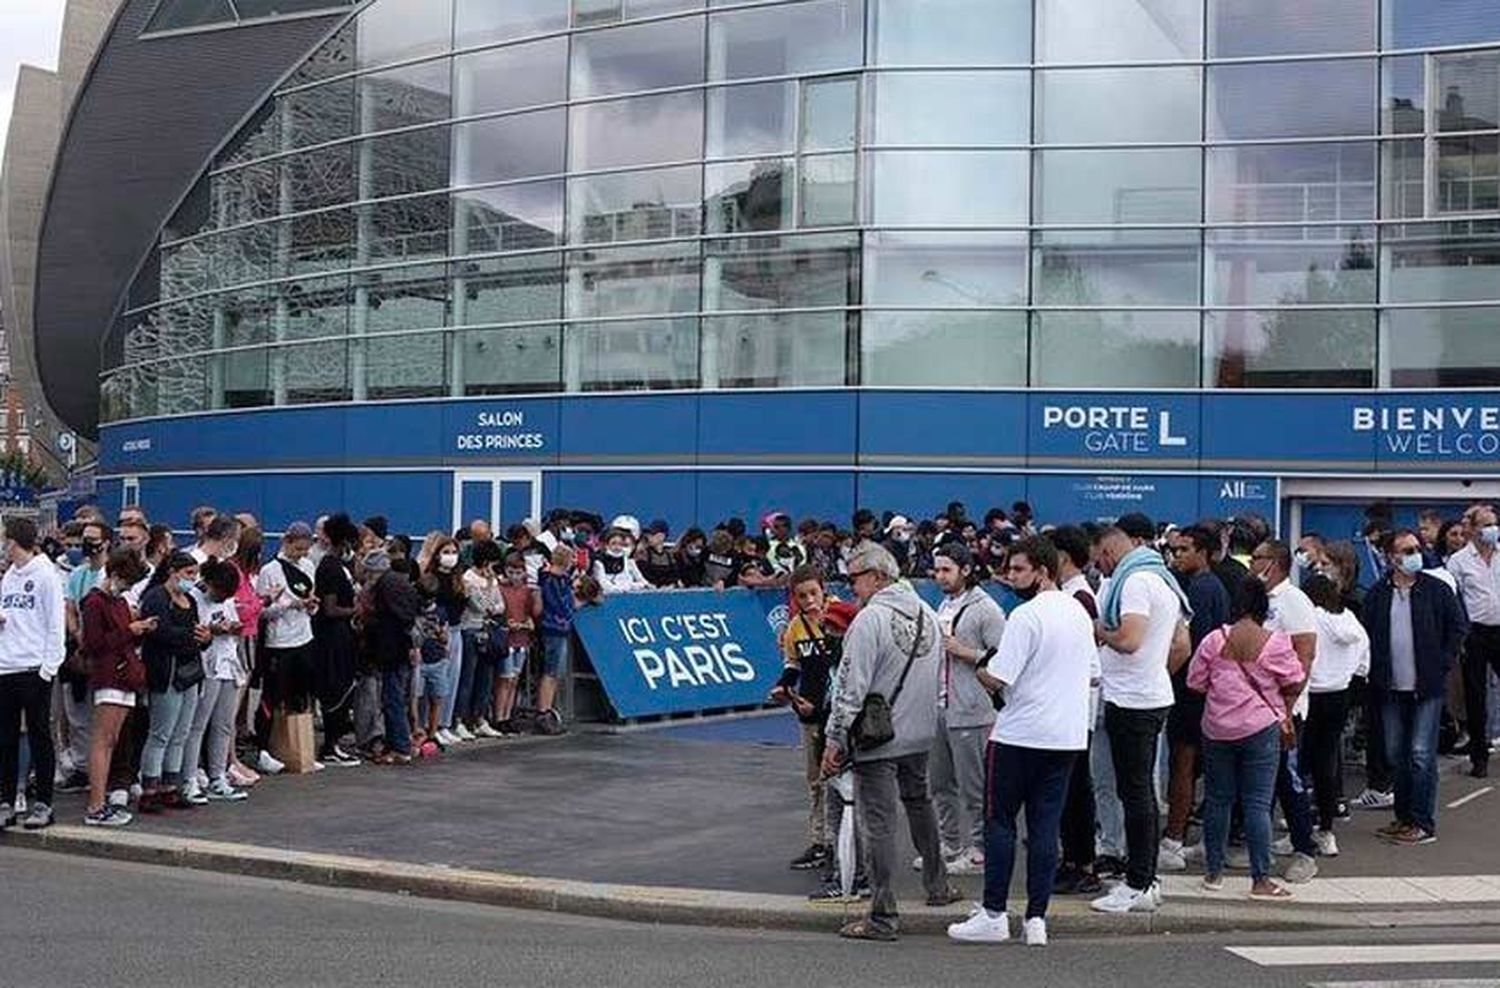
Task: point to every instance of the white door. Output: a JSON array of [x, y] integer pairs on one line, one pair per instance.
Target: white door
[[501, 497]]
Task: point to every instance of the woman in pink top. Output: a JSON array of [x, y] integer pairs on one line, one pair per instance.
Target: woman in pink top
[[1249, 676], [248, 603]]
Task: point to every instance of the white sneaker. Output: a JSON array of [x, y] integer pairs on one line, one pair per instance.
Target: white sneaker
[[444, 738], [1300, 870], [202, 779], [967, 863], [1237, 856], [484, 730], [220, 790], [318, 766], [1124, 899], [1194, 854], [981, 927], [1283, 847], [1373, 799], [1155, 893], [267, 764], [193, 794], [463, 733], [1034, 932], [1169, 856], [119, 798], [949, 856], [1328, 845]]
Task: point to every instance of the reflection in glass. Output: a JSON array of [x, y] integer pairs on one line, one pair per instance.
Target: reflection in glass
[[180, 385], [619, 281], [249, 9], [1290, 27], [786, 39], [1403, 98], [964, 188], [317, 178], [830, 114], [1143, 185], [412, 366], [756, 119], [645, 205], [508, 289], [1441, 348], [1468, 174], [504, 148], [943, 349], [405, 96], [1470, 85], [638, 57], [587, 13], [402, 163], [1432, 23], [506, 361], [177, 14], [1259, 100], [1139, 349], [952, 32], [638, 131], [247, 378], [315, 308], [482, 22], [405, 298], [511, 78], [1289, 348], [1113, 30], [1116, 267], [631, 355], [1098, 106], [827, 190], [782, 272], [1437, 262], [315, 116], [780, 350], [945, 269], [396, 30], [322, 241], [1291, 265], [952, 108], [508, 217], [315, 372], [1296, 183], [1403, 179], [407, 229], [746, 196]]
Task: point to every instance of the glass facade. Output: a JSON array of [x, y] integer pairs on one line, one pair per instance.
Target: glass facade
[[176, 15], [475, 197]]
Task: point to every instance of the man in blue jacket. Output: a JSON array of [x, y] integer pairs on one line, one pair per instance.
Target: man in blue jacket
[[1416, 627]]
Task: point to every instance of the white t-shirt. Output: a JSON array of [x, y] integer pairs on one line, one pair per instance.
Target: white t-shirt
[[1044, 661], [221, 659], [1293, 613], [1140, 681], [287, 626]]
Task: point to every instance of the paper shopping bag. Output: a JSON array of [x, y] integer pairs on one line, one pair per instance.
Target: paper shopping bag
[[292, 741]]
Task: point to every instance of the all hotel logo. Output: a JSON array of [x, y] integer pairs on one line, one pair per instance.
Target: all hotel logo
[[1433, 430]]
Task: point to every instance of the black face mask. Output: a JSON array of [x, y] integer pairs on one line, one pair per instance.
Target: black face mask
[[1027, 593], [92, 547]]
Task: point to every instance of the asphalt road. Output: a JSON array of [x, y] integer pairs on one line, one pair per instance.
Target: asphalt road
[[68, 921]]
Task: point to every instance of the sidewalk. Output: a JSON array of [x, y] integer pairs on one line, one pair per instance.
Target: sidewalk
[[695, 824]]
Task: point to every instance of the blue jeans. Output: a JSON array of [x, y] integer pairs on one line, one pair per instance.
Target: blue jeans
[[453, 668], [395, 698], [171, 722], [468, 685], [1291, 793], [1111, 816], [1038, 781], [555, 652], [1411, 741], [1244, 769]]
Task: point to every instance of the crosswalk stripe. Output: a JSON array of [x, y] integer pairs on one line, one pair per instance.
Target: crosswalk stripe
[[1341, 955], [1470, 797], [1418, 983]]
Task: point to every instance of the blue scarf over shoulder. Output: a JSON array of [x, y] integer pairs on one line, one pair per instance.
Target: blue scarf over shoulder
[[1142, 559]]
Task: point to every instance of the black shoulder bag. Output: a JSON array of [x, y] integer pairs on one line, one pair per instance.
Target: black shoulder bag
[[874, 725]]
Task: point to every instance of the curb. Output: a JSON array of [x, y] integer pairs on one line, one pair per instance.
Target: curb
[[679, 906]]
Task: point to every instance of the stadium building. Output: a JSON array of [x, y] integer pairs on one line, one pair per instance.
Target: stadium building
[[444, 259]]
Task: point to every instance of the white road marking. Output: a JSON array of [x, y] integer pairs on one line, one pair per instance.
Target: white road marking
[[1470, 797], [1419, 983], [1339, 956]]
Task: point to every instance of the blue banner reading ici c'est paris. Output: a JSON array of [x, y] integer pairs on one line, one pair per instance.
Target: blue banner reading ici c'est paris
[[689, 650]]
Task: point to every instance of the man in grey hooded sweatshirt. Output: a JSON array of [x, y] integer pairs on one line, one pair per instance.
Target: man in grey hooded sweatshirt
[[893, 628]]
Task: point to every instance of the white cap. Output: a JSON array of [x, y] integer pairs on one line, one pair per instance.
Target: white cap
[[897, 521], [627, 523]]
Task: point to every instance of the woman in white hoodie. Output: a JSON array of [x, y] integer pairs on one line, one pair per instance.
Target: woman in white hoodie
[[1343, 652]]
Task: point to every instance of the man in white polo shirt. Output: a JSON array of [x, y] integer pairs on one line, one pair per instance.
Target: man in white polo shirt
[[1292, 613], [1044, 668], [1144, 635], [1476, 568]]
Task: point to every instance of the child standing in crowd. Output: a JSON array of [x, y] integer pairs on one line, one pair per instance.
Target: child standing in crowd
[[614, 569], [555, 588], [116, 675], [174, 672], [521, 606], [214, 719]]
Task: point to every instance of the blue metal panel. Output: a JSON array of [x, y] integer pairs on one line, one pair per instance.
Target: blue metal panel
[[749, 495], [608, 430], [171, 500], [415, 503], [1256, 430], [515, 502], [923, 495], [290, 497], [935, 425], [1105, 497], [368, 431], [475, 500], [646, 494], [783, 427]]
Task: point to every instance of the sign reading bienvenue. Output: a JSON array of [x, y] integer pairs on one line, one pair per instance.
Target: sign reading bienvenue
[[1431, 430], [690, 650]]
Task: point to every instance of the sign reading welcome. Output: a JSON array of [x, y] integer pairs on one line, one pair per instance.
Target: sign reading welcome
[[685, 651]]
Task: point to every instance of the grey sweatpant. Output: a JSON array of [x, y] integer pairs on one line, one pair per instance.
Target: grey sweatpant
[[879, 787], [369, 724], [957, 783], [213, 729]]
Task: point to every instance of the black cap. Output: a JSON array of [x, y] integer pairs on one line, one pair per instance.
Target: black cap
[[1137, 526]]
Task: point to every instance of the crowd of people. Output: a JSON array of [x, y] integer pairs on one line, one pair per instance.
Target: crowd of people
[[1149, 696], [157, 677]]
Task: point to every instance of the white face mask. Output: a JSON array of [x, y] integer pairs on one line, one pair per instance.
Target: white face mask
[[447, 560], [1490, 534]]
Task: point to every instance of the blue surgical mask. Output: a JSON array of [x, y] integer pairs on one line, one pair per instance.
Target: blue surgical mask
[[74, 556], [1412, 563], [186, 585], [1490, 535]]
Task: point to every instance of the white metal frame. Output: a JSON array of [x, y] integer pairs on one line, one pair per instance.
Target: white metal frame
[[494, 477]]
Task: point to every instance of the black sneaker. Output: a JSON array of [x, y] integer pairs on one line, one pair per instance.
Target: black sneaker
[[509, 726], [75, 782], [1109, 866], [834, 892], [549, 722], [816, 856], [945, 898]]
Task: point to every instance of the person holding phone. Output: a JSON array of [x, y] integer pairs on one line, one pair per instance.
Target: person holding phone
[[286, 585]]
